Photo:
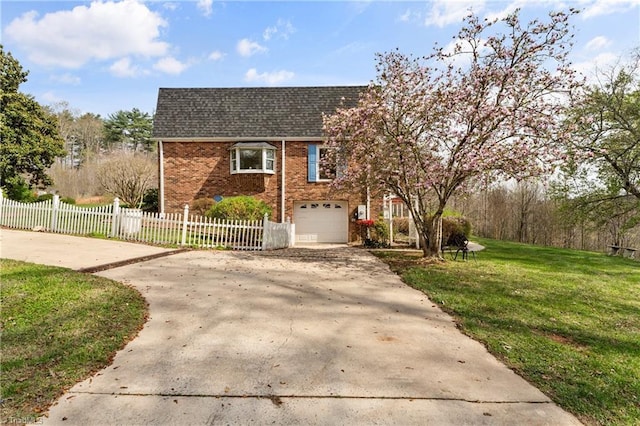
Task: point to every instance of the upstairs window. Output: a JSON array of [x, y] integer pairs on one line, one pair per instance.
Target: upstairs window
[[253, 157], [318, 168], [325, 171]]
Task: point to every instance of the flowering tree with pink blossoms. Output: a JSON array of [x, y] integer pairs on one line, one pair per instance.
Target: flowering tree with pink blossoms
[[490, 106]]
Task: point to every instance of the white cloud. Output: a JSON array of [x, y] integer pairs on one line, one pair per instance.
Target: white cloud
[[454, 44], [216, 55], [100, 31], [170, 65], [124, 68], [67, 78], [445, 12], [508, 9], [206, 7], [608, 7], [271, 79], [408, 16], [597, 43], [282, 29], [170, 6], [269, 32], [51, 98], [461, 51], [589, 68], [522, 4], [248, 48]]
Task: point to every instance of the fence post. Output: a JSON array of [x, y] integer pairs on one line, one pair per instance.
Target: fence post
[[55, 206], [185, 221], [265, 231], [115, 215]]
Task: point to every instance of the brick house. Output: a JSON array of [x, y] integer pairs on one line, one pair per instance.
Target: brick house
[[263, 142]]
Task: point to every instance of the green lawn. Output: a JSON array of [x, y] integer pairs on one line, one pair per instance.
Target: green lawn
[[58, 327], [566, 320]]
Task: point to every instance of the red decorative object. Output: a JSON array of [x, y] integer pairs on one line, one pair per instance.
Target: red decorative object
[[366, 223]]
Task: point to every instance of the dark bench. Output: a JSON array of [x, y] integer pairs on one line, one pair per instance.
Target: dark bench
[[622, 251], [460, 244]]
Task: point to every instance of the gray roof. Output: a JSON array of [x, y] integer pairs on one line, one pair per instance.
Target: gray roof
[[251, 112]]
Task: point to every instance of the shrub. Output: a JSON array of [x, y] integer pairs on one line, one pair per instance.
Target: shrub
[[201, 206], [44, 197], [15, 188], [401, 225], [239, 208], [378, 233], [454, 227], [150, 200], [381, 232], [47, 197]]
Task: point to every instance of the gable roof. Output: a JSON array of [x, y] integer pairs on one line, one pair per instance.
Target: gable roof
[[250, 113]]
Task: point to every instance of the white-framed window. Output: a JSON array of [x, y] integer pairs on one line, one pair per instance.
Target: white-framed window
[[253, 157]]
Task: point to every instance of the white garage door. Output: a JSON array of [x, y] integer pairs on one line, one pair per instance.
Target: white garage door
[[321, 221]]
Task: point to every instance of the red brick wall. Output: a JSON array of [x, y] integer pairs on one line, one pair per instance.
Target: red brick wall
[[195, 170]]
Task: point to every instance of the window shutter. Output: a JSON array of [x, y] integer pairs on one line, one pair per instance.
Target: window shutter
[[312, 160]]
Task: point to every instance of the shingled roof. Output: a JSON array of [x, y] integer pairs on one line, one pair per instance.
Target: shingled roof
[[251, 112]]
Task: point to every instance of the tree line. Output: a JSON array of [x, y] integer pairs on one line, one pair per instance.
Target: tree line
[[530, 212], [88, 135]]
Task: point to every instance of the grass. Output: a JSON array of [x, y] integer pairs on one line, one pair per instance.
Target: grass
[[568, 321], [58, 327]]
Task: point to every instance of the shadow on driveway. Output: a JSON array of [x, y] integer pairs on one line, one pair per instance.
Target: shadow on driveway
[[297, 336]]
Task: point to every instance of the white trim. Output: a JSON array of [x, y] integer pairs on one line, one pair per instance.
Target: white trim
[[368, 204], [282, 183], [161, 177], [254, 171], [236, 161]]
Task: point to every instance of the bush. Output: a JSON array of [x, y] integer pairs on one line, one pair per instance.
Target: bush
[[47, 197], [239, 208], [150, 200], [15, 188], [453, 228], [401, 225], [381, 232], [44, 197], [201, 206], [378, 233]]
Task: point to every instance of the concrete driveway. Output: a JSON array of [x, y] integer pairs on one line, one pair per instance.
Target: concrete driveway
[[297, 336]]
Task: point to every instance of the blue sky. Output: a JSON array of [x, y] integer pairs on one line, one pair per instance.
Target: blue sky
[[105, 56]]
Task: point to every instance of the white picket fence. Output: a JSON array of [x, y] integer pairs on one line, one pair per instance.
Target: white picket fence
[[135, 225]]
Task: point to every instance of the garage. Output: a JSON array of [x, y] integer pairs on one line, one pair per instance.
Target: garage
[[321, 221]]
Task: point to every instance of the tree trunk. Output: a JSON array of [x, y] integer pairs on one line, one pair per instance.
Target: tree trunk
[[432, 246]]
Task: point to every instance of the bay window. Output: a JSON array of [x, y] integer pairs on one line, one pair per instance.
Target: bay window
[[253, 157]]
